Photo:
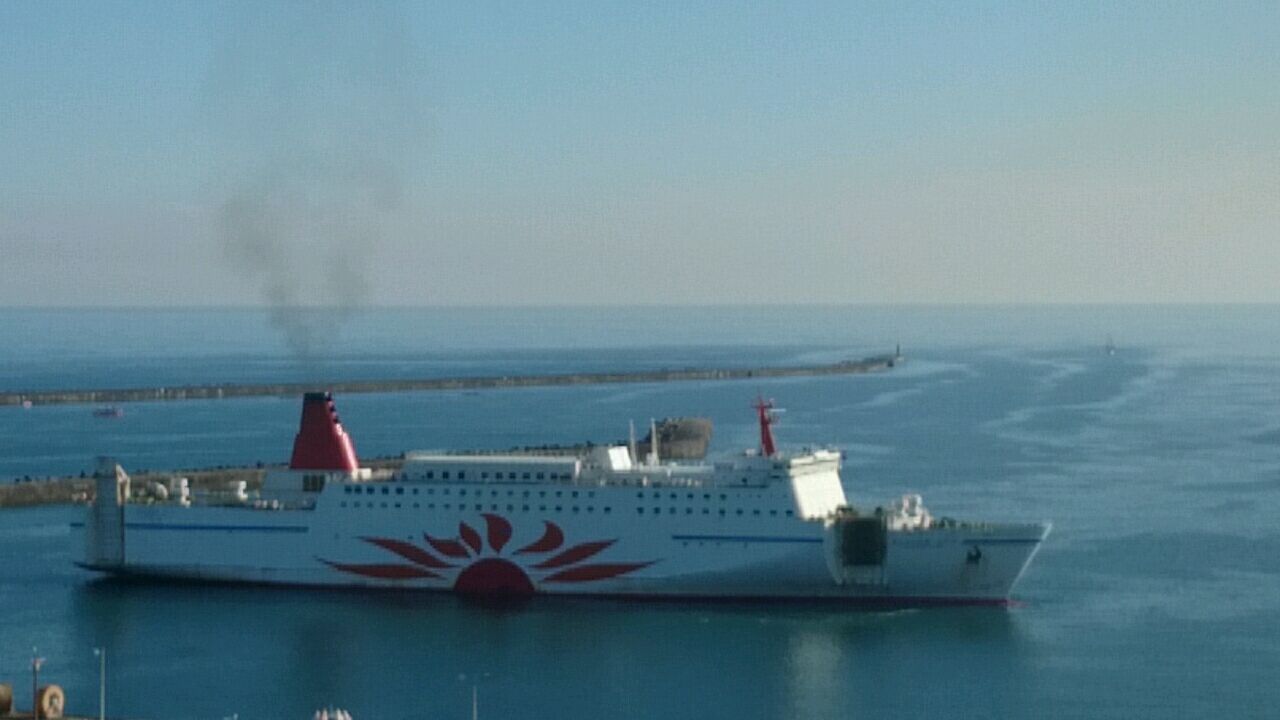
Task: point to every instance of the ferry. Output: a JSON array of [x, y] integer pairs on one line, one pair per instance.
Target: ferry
[[763, 524]]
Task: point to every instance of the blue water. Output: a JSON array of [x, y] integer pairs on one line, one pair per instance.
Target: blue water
[[1158, 594]]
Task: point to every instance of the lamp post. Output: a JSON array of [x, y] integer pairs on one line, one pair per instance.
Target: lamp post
[[36, 662], [475, 692], [101, 654]]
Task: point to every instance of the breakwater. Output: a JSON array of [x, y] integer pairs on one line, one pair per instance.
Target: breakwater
[[207, 392]]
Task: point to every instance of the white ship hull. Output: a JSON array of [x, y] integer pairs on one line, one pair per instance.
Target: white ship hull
[[729, 558], [767, 527]]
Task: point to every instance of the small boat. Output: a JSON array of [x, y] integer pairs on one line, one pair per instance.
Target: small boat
[[110, 411]]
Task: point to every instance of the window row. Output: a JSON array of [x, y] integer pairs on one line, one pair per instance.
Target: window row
[[400, 490], [721, 511], [497, 475], [688, 496], [478, 507]]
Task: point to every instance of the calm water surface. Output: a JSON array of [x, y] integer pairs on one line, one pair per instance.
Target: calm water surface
[[1158, 594]]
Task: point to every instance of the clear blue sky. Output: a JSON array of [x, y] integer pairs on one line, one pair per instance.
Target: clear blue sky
[[554, 153]]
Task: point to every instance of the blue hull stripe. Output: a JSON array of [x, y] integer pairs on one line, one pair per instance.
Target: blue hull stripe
[[748, 538], [219, 528]]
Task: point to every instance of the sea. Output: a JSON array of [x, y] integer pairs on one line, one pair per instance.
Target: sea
[[1148, 435]]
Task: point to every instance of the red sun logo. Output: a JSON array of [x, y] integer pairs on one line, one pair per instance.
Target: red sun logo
[[477, 569]]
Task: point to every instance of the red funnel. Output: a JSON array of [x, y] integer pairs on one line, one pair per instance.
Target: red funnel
[[321, 443]]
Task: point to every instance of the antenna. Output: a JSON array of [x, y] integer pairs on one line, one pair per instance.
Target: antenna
[[631, 442], [653, 441]]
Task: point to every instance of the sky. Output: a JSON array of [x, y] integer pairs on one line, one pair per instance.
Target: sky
[[211, 154]]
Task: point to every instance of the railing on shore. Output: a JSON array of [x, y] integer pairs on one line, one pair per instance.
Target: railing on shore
[[207, 392]]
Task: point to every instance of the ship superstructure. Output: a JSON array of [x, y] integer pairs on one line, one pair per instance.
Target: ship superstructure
[[763, 524]]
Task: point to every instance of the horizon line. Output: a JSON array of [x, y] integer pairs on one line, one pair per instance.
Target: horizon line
[[661, 305]]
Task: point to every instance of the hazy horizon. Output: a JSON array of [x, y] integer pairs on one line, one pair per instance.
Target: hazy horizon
[[401, 155]]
